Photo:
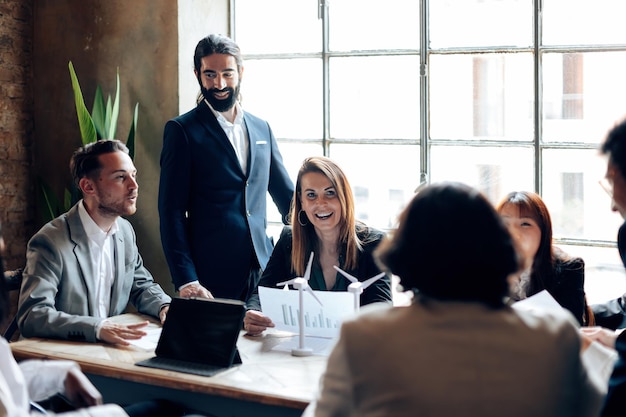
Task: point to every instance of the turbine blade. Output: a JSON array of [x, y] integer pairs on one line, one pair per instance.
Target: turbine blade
[[307, 273], [370, 281], [345, 274], [280, 284], [310, 290]]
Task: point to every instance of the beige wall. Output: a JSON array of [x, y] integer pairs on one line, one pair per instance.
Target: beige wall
[[39, 129], [139, 37]]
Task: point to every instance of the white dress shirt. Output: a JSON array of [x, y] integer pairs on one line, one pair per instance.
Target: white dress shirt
[[102, 259], [236, 132], [37, 380]]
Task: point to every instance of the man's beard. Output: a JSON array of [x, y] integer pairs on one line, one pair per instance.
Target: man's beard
[[115, 207], [221, 105]]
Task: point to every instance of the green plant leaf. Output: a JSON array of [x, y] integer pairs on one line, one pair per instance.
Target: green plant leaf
[[87, 128], [115, 111], [107, 119], [50, 201], [67, 200], [130, 142], [98, 113]]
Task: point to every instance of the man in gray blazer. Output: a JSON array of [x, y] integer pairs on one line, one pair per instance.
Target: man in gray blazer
[[84, 266], [218, 164]]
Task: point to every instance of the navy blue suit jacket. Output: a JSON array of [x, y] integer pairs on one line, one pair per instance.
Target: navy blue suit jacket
[[212, 214]]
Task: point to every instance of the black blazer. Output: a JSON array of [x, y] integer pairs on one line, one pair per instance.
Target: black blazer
[[279, 269], [612, 314], [212, 214]]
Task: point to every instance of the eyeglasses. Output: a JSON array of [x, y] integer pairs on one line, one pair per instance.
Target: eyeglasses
[[607, 186]]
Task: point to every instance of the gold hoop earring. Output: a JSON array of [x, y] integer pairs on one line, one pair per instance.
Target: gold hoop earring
[[300, 220]]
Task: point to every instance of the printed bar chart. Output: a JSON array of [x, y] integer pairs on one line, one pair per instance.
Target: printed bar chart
[[321, 321]]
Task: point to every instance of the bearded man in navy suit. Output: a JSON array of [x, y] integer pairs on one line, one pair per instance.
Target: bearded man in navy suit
[[218, 163]]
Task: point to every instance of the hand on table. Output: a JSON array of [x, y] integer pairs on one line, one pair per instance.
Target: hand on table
[[163, 313], [120, 333], [79, 391], [256, 322], [195, 290]]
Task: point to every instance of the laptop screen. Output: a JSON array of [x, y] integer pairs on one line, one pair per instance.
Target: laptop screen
[[202, 331]]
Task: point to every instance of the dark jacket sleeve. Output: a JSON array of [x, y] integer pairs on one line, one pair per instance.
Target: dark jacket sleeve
[[278, 268], [611, 314], [568, 288], [379, 291], [615, 400]]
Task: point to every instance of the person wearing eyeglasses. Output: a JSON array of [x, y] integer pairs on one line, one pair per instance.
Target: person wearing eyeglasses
[[611, 315]]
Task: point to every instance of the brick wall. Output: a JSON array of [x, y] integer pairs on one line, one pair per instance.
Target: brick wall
[[17, 205]]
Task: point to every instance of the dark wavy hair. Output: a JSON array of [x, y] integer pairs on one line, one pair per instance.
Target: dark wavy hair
[[85, 161], [451, 245], [614, 146], [216, 44]]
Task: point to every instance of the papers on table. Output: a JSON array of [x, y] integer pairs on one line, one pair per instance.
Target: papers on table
[[149, 341], [282, 306]]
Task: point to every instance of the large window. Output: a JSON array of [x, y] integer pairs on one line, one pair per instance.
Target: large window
[[499, 94]]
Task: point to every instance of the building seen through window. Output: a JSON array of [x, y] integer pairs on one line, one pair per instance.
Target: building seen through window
[[493, 93]]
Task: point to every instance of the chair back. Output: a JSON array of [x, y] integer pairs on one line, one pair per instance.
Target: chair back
[[14, 283]]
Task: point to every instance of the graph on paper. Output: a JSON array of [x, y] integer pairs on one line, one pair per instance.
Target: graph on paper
[[314, 320], [282, 306]]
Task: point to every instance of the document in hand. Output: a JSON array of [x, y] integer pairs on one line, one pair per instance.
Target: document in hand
[[282, 307]]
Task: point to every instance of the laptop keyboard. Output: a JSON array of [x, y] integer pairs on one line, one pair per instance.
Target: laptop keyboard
[[181, 366]]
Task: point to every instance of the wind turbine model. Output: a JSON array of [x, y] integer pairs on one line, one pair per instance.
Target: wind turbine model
[[357, 287], [302, 284]]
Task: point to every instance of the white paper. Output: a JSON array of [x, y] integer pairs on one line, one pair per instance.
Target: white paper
[[541, 300], [283, 307], [149, 341]]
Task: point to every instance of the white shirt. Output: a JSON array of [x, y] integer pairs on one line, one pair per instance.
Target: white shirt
[[236, 132], [102, 259], [37, 380]]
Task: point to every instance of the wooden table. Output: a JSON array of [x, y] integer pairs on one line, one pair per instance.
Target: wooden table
[[268, 383]]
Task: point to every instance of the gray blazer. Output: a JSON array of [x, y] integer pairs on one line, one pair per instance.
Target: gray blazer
[[57, 294]]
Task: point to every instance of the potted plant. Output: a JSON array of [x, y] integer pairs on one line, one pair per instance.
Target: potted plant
[[101, 123]]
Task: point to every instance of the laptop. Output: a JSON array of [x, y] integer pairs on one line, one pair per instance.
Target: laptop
[[199, 336]]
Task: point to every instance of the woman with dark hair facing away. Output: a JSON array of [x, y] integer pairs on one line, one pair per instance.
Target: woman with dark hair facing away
[[323, 222], [545, 266], [458, 349]]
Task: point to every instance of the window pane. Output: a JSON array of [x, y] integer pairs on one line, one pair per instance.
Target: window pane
[[605, 278], [485, 96], [370, 24], [458, 23], [495, 171], [571, 22], [583, 95], [374, 97], [277, 26], [578, 205], [275, 90], [383, 179]]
